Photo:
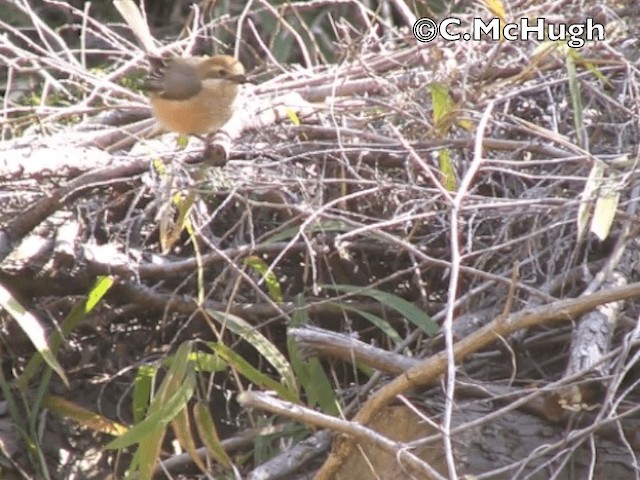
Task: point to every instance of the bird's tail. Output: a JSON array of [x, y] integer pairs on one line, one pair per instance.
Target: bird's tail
[[138, 24]]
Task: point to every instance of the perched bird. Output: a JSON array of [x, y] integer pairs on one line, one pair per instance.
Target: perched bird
[[194, 95], [188, 95]]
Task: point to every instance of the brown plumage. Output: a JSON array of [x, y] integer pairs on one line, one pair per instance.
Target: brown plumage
[[194, 95], [188, 95]]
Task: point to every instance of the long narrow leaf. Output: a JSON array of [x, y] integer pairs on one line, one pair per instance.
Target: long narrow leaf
[[375, 320], [412, 313], [252, 374], [260, 266], [70, 322], [30, 325], [269, 351], [82, 416], [162, 415], [209, 434], [182, 429], [142, 386]]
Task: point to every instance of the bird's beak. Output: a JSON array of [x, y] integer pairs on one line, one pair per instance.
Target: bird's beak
[[237, 78]]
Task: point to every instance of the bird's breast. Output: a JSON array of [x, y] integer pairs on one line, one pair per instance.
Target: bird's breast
[[198, 115]]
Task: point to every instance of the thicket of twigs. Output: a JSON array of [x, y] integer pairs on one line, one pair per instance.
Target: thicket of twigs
[[450, 228]]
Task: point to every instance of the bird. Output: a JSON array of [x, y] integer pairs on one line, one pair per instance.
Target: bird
[[192, 95]]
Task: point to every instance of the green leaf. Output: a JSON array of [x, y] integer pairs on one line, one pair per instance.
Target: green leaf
[[77, 313], [83, 307], [412, 313], [147, 455], [309, 372], [256, 339], [142, 386], [209, 434], [314, 380], [443, 106], [32, 328], [99, 290], [159, 167], [381, 323], [163, 413], [182, 141], [88, 419], [179, 368], [252, 374], [181, 426], [173, 395], [260, 266], [293, 116], [447, 171], [205, 362], [289, 233]]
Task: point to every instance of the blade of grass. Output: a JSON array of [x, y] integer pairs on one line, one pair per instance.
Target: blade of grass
[[412, 313], [269, 351], [80, 310], [252, 374], [32, 328]]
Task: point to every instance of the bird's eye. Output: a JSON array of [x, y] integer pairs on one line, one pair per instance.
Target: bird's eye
[[222, 73]]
